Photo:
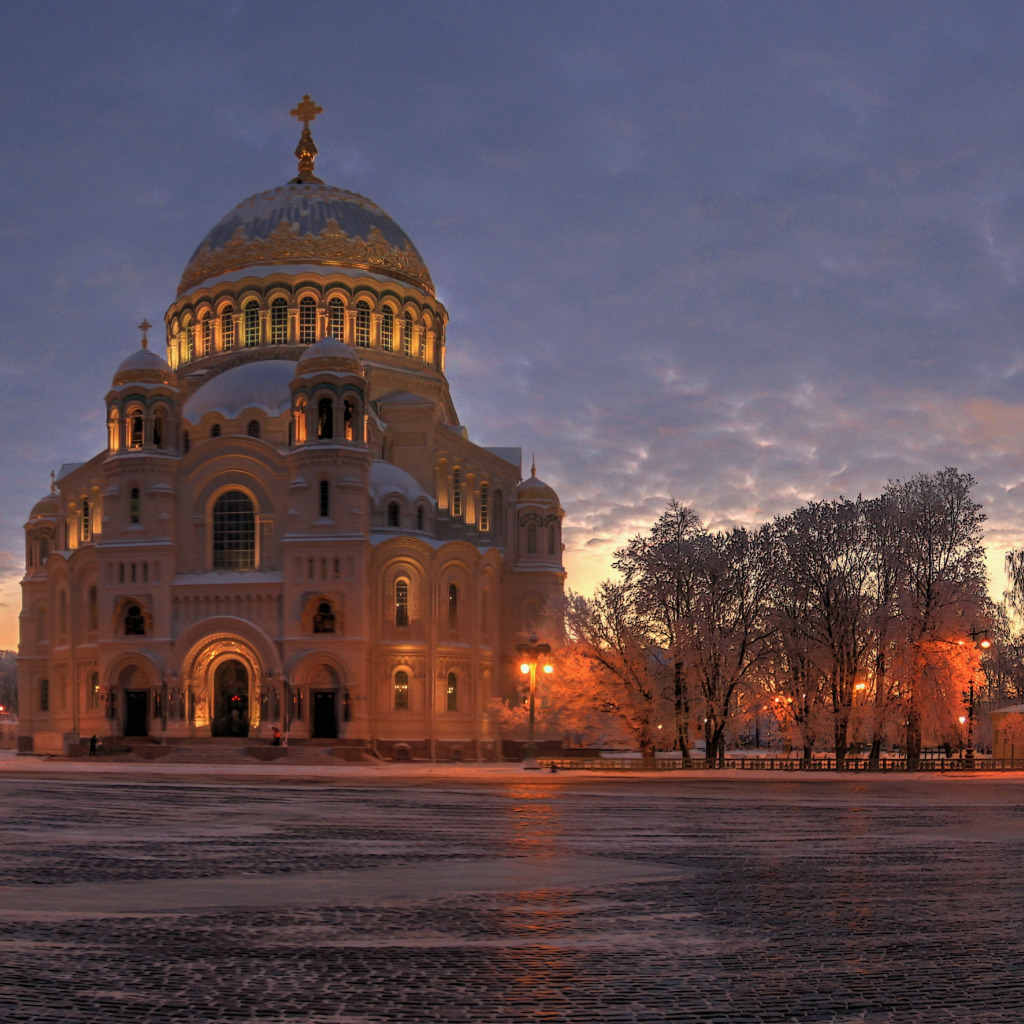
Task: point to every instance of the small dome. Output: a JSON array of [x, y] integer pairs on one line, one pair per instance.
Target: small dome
[[386, 479], [47, 506], [329, 354], [536, 492], [260, 385], [144, 367], [307, 222]]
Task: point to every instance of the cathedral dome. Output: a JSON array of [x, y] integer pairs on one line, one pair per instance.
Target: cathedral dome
[[143, 367], [329, 354], [307, 222], [536, 492], [259, 385], [387, 479], [47, 506]]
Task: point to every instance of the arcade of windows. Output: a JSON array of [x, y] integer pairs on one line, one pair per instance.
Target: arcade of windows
[[413, 333]]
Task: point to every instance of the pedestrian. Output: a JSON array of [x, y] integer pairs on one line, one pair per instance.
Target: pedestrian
[[92, 745], [277, 737]]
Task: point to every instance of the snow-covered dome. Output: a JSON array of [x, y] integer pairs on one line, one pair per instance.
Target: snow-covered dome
[[306, 221], [143, 367], [257, 385], [386, 480], [329, 354]]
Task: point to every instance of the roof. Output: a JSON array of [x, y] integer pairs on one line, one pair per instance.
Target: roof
[[259, 385]]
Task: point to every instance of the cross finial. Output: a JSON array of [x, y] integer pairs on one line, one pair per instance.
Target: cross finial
[[306, 111], [53, 481], [144, 327]]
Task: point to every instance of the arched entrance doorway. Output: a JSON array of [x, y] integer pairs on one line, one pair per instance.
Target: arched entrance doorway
[[230, 699], [330, 703], [134, 684]]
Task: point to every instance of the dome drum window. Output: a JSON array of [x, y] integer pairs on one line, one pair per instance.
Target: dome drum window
[[227, 328], [307, 321], [279, 322], [387, 330], [336, 318], [363, 324], [251, 324]]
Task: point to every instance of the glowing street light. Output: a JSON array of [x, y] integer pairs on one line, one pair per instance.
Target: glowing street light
[[530, 655]]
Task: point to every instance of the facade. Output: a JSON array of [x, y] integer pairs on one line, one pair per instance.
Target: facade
[[288, 528]]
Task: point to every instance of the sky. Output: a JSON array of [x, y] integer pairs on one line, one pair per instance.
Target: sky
[[738, 254]]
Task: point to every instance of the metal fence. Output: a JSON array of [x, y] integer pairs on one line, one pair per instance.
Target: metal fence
[[778, 764]]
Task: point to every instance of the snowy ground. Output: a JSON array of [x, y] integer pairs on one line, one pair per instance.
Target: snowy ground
[[405, 893]]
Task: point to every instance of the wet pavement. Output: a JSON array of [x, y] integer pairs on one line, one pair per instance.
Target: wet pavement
[[371, 897]]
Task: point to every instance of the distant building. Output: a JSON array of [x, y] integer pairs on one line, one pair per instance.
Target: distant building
[[289, 528]]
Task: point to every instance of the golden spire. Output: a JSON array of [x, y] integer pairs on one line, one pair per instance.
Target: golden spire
[[306, 150], [144, 327]]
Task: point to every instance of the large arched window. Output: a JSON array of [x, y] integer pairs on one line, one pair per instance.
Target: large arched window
[[190, 339], [387, 330], [227, 328], [452, 692], [234, 532], [278, 322], [307, 320], [457, 493], [251, 323], [401, 690], [135, 429], [401, 602], [363, 324], [134, 621], [453, 606], [323, 619], [158, 430], [336, 313], [325, 419], [207, 334], [407, 335]]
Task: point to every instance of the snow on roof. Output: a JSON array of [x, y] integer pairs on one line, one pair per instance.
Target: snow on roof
[[259, 385]]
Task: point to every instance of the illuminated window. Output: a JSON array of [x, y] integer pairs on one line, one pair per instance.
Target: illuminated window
[[457, 493], [401, 690], [206, 325], [94, 690], [325, 419], [227, 328], [278, 322], [402, 603], [407, 335], [393, 512], [363, 324], [325, 499], [485, 508], [86, 521], [251, 323], [452, 692], [234, 532], [453, 606], [134, 505], [307, 321], [190, 341], [387, 330], [336, 312]]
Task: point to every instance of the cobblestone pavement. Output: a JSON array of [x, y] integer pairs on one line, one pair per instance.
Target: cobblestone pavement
[[180, 899]]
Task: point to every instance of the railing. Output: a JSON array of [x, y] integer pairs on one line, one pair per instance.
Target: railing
[[783, 764]]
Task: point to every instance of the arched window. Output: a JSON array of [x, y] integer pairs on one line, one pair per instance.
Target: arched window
[[251, 323], [387, 330], [363, 324], [134, 621], [307, 321], [86, 521], [350, 420], [401, 602], [44, 694], [278, 322], [531, 539], [325, 499], [207, 334], [407, 335], [114, 430], [94, 691], [419, 517], [234, 532], [135, 429], [227, 328], [323, 620], [457, 493], [215, 430], [134, 505], [401, 690], [393, 513], [551, 539], [336, 312], [190, 340], [485, 508], [325, 419], [452, 692], [186, 442], [158, 430], [253, 429], [453, 606]]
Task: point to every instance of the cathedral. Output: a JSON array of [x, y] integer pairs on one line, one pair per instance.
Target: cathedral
[[289, 533]]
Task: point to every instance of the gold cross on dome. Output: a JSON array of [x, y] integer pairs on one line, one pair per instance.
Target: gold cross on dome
[[144, 327], [306, 111]]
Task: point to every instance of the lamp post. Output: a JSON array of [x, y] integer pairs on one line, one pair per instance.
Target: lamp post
[[980, 637], [530, 654]]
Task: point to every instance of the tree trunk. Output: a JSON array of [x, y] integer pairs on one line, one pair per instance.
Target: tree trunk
[[875, 757], [913, 741], [808, 753], [841, 731], [682, 710]]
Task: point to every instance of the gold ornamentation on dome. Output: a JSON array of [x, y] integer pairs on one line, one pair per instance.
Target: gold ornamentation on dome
[[306, 150], [144, 327], [332, 247]]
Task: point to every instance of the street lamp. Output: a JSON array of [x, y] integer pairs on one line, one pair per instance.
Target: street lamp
[[980, 637], [530, 654]]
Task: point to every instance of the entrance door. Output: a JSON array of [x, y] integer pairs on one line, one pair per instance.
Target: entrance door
[[325, 715], [136, 712], [230, 700]]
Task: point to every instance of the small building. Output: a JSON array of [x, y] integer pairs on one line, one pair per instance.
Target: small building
[[1008, 732]]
